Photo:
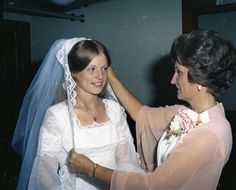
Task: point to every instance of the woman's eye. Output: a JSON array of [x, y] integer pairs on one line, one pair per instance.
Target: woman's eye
[[91, 69], [177, 73], [105, 68]]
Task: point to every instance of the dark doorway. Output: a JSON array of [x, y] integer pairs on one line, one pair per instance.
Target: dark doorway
[[15, 75], [194, 8]]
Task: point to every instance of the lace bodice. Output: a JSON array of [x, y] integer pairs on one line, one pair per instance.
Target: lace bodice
[[108, 144]]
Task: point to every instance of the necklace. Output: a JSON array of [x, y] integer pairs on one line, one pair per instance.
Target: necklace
[[94, 117], [91, 115], [85, 109]]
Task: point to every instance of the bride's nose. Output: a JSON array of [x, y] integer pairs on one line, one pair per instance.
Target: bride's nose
[[99, 74]]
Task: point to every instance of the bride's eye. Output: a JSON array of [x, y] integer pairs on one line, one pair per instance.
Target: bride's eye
[[105, 68], [90, 69]]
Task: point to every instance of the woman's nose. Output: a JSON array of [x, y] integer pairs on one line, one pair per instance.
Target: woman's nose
[[173, 80]]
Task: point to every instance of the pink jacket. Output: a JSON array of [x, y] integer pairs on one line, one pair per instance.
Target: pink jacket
[[195, 163]]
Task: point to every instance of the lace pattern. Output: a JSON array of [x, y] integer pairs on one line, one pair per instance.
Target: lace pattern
[[111, 110], [69, 83], [67, 179]]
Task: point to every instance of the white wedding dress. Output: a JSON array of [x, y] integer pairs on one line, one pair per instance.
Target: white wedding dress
[[109, 144]]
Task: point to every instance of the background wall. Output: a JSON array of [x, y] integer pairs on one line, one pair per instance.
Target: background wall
[[138, 34]]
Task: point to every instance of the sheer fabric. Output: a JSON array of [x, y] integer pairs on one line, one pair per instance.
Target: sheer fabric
[[195, 162], [45, 88], [109, 144]]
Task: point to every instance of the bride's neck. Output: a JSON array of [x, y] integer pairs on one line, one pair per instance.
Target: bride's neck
[[87, 101]]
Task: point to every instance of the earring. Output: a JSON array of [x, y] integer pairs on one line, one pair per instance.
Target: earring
[[199, 87]]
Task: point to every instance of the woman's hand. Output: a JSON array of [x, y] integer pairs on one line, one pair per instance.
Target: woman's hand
[[111, 74], [79, 163], [127, 99]]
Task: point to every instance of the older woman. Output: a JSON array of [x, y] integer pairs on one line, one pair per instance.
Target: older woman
[[180, 147]]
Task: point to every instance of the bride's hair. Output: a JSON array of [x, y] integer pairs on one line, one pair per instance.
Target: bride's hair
[[83, 52]]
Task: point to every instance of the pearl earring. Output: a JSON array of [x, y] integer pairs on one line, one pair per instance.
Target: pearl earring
[[199, 87]]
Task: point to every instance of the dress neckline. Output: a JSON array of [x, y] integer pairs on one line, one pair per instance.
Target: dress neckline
[[95, 123]]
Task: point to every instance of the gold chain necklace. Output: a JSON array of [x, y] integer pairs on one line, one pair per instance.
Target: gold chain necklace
[[85, 109]]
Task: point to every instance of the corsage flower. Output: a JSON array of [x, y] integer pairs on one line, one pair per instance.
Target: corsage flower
[[185, 120]]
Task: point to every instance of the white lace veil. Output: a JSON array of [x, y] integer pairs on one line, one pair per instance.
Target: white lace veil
[[45, 90]]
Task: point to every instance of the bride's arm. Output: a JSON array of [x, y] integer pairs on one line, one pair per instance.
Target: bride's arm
[[47, 164], [128, 100]]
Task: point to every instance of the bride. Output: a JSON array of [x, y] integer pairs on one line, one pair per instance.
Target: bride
[[90, 120]]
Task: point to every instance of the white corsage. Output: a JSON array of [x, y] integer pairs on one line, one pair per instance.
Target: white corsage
[[174, 128], [185, 119]]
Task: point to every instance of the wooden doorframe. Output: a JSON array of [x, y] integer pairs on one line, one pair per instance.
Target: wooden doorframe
[[192, 9]]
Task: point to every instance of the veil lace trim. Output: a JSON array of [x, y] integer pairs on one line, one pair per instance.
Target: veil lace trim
[[69, 84]]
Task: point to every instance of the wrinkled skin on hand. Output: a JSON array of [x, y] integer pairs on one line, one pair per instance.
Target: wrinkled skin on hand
[[79, 162]]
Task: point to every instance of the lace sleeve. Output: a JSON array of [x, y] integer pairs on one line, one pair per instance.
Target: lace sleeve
[[49, 168]]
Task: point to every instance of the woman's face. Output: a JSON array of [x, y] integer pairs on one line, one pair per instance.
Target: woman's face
[[186, 90], [94, 77]]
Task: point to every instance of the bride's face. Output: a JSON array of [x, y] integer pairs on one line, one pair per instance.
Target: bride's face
[[94, 77]]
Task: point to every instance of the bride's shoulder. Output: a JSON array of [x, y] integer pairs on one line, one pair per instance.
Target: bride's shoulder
[[59, 107], [113, 107], [111, 103]]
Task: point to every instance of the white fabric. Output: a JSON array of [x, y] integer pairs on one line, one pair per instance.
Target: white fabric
[[109, 144], [69, 84]]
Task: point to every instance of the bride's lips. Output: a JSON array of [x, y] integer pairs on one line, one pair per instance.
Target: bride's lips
[[97, 84]]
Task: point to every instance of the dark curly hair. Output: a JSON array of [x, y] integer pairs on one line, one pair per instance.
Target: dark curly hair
[[210, 58]]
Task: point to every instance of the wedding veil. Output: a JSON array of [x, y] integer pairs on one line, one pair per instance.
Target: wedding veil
[[45, 90]]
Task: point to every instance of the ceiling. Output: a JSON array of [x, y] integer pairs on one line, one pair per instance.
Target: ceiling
[[48, 8]]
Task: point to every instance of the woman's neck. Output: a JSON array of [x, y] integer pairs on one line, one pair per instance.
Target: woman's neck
[[203, 103]]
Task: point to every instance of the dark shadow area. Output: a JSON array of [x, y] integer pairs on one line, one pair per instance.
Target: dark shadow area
[[10, 101], [163, 92]]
